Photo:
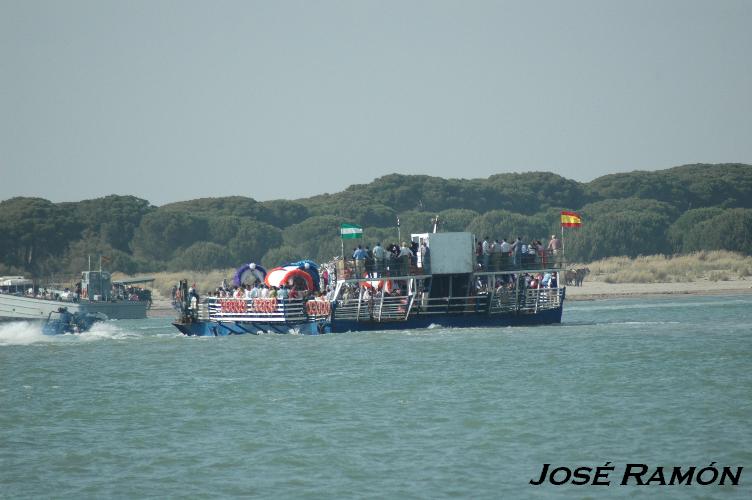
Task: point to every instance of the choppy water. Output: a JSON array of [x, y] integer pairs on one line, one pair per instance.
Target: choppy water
[[131, 409]]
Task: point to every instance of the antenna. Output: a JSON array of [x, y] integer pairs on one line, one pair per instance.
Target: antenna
[[435, 221]]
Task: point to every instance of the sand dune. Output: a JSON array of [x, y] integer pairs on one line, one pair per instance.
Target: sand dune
[[591, 289]]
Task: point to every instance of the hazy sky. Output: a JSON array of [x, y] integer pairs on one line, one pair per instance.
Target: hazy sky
[[174, 100]]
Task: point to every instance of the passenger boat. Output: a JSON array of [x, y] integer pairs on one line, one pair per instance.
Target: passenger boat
[[22, 299], [449, 288]]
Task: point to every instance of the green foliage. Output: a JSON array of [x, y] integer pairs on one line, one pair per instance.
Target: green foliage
[[686, 187], [34, 231], [89, 249], [240, 206], [114, 218], [456, 219], [728, 230], [499, 224], [628, 227], [283, 213], [203, 256], [685, 227], [315, 238], [688, 208], [252, 241], [532, 192], [164, 233]]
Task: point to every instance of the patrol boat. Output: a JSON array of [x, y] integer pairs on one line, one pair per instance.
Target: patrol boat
[[22, 300], [445, 287], [62, 321]]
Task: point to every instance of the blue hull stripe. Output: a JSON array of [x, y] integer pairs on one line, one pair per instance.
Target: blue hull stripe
[[221, 329]]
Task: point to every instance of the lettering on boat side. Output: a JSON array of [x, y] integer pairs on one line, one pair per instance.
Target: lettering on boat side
[[639, 475]]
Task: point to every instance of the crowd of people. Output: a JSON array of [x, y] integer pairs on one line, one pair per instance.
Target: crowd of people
[[495, 255], [521, 281], [76, 293], [391, 260], [257, 290], [491, 255]]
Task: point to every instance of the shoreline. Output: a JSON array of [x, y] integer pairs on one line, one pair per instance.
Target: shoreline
[[595, 290]]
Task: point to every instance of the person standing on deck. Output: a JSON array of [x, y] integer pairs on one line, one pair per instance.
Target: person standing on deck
[[505, 248], [486, 248], [360, 261], [405, 256], [379, 256], [554, 246], [425, 257], [517, 252]]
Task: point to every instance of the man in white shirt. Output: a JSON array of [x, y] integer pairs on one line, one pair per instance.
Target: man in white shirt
[[486, 253], [405, 255], [379, 256]]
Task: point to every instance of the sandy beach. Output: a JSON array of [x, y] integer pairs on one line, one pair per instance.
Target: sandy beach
[[592, 290], [161, 306]]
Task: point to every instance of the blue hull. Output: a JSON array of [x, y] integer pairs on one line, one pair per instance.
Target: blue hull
[[547, 317], [224, 328]]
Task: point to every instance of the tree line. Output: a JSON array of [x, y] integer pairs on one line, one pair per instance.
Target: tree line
[[678, 210]]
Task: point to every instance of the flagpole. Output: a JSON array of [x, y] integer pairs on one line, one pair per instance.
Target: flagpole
[[562, 245]]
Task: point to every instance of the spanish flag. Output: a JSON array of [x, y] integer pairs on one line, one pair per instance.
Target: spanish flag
[[570, 219]]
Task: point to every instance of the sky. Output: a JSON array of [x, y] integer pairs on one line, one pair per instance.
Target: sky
[[176, 100]]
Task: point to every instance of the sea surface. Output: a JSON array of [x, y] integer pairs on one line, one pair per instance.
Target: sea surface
[[132, 409]]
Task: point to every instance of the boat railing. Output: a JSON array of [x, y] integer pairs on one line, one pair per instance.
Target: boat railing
[[262, 309], [539, 261], [530, 300], [379, 308], [388, 268], [495, 262], [396, 308]]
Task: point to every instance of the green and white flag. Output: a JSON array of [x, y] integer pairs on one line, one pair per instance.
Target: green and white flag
[[350, 231]]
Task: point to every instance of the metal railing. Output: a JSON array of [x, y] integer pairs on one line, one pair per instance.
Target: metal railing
[[495, 262], [397, 308], [383, 308]]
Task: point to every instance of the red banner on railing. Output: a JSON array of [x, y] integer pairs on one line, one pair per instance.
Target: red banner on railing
[[264, 305], [232, 306], [318, 308]]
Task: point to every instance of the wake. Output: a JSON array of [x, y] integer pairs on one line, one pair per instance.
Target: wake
[[30, 332]]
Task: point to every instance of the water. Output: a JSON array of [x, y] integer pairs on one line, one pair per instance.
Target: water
[[131, 409]]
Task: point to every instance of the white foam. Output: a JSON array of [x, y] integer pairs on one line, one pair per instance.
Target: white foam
[[104, 330], [21, 333], [30, 332]]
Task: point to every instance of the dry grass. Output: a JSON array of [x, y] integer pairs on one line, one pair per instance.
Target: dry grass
[[716, 265], [204, 281]]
